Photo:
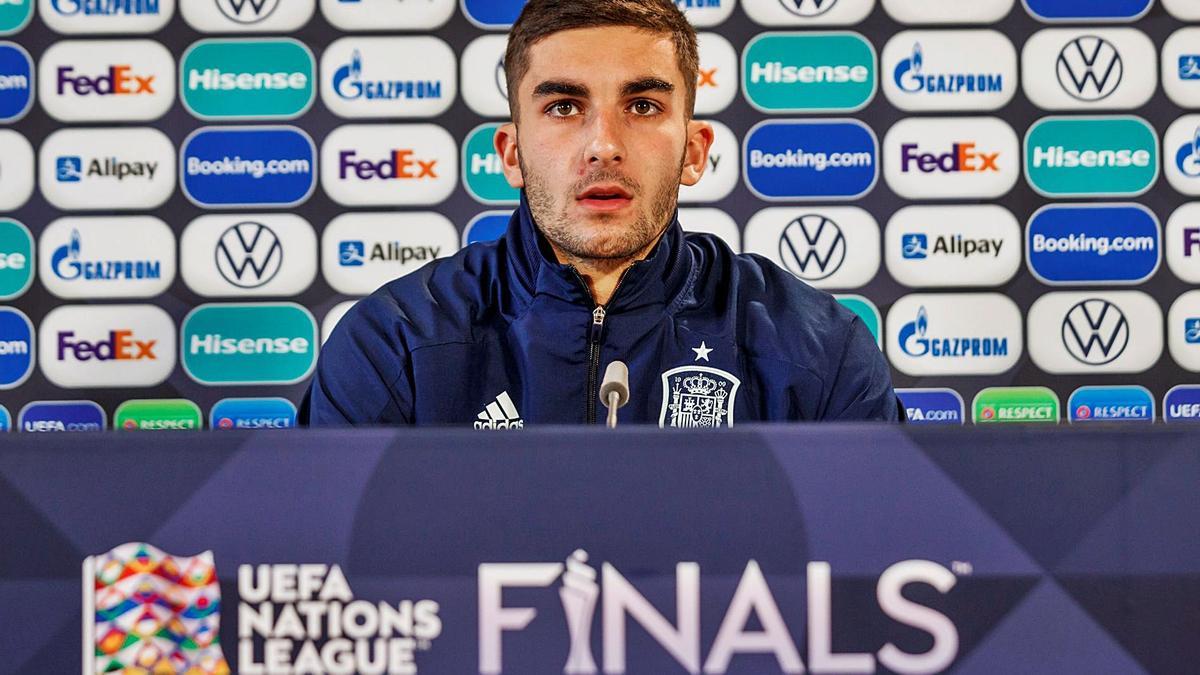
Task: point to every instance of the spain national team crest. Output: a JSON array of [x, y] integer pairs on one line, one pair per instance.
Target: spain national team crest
[[698, 397], [145, 611]]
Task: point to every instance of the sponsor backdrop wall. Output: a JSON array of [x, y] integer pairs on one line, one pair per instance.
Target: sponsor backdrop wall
[[192, 193]]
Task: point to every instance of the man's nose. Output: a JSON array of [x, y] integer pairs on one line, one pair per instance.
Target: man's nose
[[606, 145]]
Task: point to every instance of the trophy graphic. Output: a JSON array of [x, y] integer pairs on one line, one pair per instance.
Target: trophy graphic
[[579, 594]]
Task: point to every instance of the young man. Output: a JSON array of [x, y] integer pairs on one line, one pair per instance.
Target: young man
[[594, 268]]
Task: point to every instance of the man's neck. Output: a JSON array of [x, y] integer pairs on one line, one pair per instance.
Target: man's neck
[[602, 274]]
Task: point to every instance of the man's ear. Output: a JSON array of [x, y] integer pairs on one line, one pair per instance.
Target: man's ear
[[695, 157], [505, 141]]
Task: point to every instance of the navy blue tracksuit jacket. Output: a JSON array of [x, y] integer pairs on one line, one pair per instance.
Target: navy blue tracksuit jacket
[[501, 336]]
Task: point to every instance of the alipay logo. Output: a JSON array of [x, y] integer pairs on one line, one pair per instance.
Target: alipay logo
[[49, 416], [1095, 332], [247, 79], [1093, 244], [388, 77], [484, 87], [1092, 10], [483, 171], [1091, 156], [960, 334], [106, 346], [929, 246], [247, 16], [249, 255], [805, 12], [15, 15], [389, 165], [89, 16], [16, 348], [801, 159], [1181, 67], [363, 251], [932, 406], [252, 413], [809, 72], [16, 82], [1182, 404], [1182, 146], [249, 344], [1183, 331], [229, 167], [1110, 68], [106, 80], [1111, 404], [110, 169], [96, 257], [949, 70], [834, 247], [16, 259]]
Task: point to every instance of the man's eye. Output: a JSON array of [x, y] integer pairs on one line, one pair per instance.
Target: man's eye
[[562, 109], [645, 107]]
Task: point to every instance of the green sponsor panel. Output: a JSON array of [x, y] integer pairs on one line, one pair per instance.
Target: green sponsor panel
[[1015, 404], [16, 259], [1091, 156], [809, 72], [15, 15], [865, 310], [247, 79], [157, 415], [483, 175], [269, 343]]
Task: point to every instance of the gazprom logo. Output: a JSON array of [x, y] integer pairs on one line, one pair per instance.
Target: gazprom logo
[[388, 77], [932, 406], [16, 82], [230, 167], [106, 16], [960, 334], [1093, 244], [949, 70], [809, 72], [247, 79], [1182, 146], [1111, 404], [249, 343], [811, 159]]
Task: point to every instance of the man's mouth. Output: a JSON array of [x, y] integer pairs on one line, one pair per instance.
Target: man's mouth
[[604, 198]]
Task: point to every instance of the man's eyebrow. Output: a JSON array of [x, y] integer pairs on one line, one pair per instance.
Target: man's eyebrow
[[560, 88], [645, 84]]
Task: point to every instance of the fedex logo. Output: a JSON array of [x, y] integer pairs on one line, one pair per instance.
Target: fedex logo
[[1191, 241], [399, 165], [962, 157], [118, 80], [120, 346]]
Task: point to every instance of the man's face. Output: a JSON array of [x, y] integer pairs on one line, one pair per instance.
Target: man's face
[[604, 140]]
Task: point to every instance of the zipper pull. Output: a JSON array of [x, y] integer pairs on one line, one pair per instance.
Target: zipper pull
[[598, 315]]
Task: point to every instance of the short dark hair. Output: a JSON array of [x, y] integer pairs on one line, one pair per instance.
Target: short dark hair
[[542, 18]]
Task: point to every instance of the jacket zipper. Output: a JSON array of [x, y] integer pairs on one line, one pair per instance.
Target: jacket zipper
[[595, 339]]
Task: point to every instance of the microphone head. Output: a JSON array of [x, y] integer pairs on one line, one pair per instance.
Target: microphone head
[[616, 379]]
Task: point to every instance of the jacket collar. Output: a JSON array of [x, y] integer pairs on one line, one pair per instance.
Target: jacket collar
[[664, 278]]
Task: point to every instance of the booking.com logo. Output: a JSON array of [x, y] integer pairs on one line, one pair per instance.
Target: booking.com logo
[[248, 166]]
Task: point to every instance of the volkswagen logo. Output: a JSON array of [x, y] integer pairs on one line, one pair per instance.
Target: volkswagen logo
[[812, 247], [808, 8], [249, 255], [1089, 68], [1095, 332], [247, 11]]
